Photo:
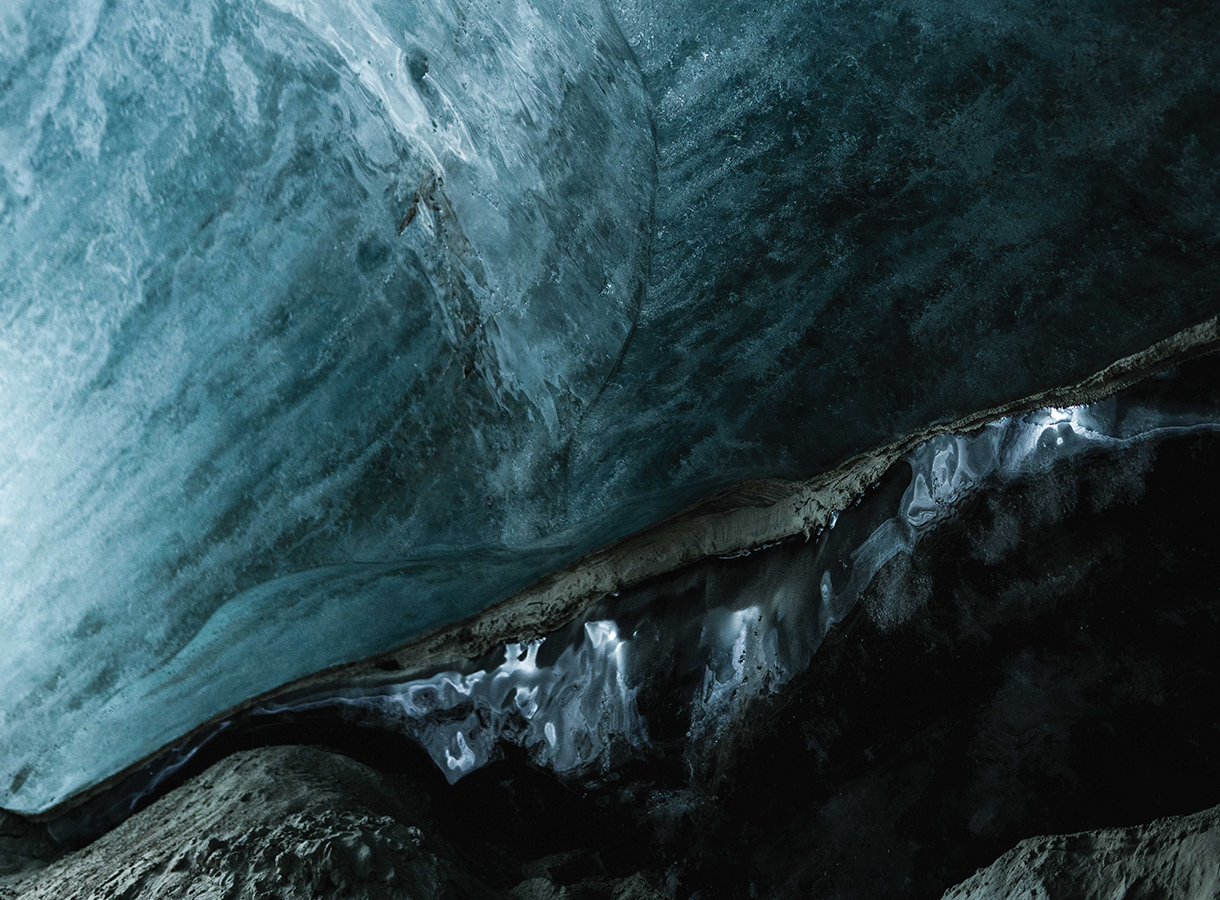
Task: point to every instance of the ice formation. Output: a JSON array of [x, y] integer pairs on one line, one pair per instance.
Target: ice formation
[[301, 301], [331, 322]]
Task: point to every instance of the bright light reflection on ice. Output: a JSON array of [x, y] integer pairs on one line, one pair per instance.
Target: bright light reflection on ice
[[565, 714]]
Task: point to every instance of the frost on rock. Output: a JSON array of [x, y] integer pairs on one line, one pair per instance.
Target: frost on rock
[[301, 301]]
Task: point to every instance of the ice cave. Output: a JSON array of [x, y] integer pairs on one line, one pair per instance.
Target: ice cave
[[609, 449]]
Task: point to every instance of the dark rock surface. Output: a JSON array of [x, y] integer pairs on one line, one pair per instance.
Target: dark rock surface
[[1176, 857], [299, 823], [23, 845], [285, 822]]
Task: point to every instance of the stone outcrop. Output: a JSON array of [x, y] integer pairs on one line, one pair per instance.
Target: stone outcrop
[[1176, 857], [291, 823]]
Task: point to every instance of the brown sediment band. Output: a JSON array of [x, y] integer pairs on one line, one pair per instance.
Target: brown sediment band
[[743, 518]]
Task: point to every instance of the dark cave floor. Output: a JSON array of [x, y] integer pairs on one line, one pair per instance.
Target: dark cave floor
[[297, 822]]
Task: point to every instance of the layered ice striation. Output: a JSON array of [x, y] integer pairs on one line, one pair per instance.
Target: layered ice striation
[[711, 640], [330, 322], [301, 301]]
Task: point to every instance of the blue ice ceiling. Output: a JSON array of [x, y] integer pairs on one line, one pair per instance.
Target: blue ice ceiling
[[328, 322]]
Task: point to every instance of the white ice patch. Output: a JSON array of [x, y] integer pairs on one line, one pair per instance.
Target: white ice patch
[[570, 715]]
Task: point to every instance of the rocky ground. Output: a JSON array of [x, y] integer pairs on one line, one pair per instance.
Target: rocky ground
[[291, 823], [1176, 858]]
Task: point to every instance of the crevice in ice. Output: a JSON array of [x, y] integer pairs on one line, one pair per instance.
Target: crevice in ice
[[753, 515]]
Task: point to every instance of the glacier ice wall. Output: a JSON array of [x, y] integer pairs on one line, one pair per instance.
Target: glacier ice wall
[[292, 292], [874, 215], [328, 322]]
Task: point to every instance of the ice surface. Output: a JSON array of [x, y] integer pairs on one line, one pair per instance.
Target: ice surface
[[878, 214], [327, 322], [244, 418]]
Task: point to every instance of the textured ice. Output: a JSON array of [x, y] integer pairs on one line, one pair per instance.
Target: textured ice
[[244, 417], [327, 322], [873, 215]]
